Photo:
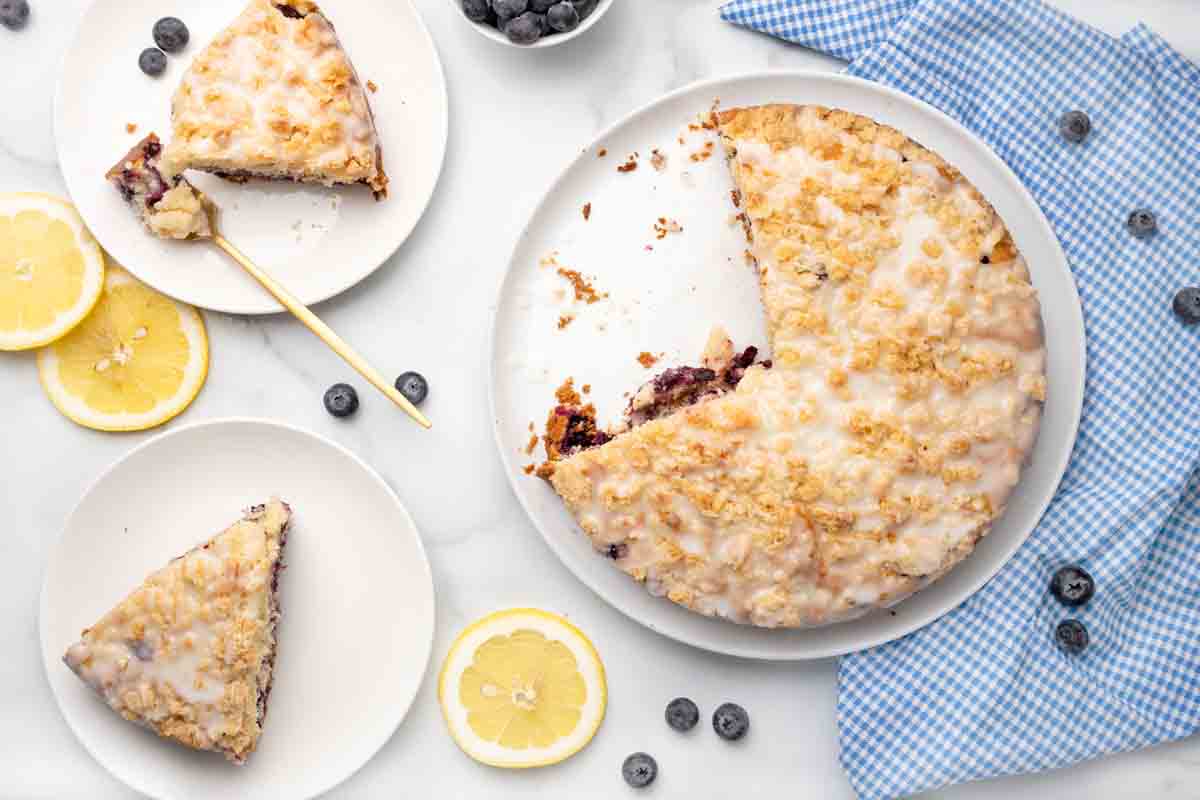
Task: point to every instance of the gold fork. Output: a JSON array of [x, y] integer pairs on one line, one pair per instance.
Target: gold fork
[[311, 320]]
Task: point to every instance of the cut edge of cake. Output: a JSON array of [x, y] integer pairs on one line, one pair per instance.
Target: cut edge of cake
[[168, 205]]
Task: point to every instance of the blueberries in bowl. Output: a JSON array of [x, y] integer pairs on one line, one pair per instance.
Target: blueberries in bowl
[[14, 14], [525, 22], [152, 61], [170, 34]]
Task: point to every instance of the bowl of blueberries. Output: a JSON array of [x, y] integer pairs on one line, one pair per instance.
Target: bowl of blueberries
[[532, 23]]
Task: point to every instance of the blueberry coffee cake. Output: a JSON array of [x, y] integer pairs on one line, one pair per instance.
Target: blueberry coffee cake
[[190, 653], [884, 436], [168, 205], [275, 96]]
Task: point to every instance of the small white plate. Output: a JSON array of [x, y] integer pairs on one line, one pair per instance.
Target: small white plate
[[357, 598], [316, 241], [665, 300]]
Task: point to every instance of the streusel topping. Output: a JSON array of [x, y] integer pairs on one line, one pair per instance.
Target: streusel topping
[[905, 394]]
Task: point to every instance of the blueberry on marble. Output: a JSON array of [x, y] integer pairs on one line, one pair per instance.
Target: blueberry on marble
[[14, 14], [413, 386], [730, 721], [170, 34], [525, 29], [1072, 636], [682, 714], [477, 10], [1142, 223], [563, 17], [1186, 305], [585, 7], [1072, 586], [639, 770], [341, 400], [1074, 126], [152, 61]]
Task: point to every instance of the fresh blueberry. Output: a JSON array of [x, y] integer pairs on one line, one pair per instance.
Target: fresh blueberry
[[413, 386], [341, 400], [1074, 126], [477, 10], [1187, 305], [682, 714], [170, 34], [563, 17], [585, 7], [14, 14], [541, 6], [639, 770], [1142, 223], [1072, 586], [1071, 636], [152, 62], [508, 10], [730, 721], [525, 29]]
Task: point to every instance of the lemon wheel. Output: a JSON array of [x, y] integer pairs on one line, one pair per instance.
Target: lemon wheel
[[136, 361], [51, 270], [522, 688]]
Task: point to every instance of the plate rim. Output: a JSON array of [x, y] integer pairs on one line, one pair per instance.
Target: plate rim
[[1039, 218], [268, 305], [43, 597]]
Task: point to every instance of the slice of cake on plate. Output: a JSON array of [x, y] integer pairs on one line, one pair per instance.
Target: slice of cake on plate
[[167, 205], [190, 653], [886, 434], [274, 95]]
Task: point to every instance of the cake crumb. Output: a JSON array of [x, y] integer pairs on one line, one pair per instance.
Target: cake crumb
[[532, 427], [564, 320], [587, 211], [566, 394], [533, 442], [704, 153], [664, 226], [371, 85], [602, 152], [584, 291], [587, 388], [648, 360], [529, 468], [658, 160], [130, 127], [549, 260], [630, 164]]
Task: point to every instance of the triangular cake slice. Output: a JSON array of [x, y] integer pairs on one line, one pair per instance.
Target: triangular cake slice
[[888, 430], [274, 95], [190, 653]]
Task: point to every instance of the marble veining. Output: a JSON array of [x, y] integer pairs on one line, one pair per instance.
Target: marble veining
[[516, 118]]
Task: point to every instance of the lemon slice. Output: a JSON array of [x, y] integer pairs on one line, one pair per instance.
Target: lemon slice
[[138, 359], [51, 270], [522, 688]]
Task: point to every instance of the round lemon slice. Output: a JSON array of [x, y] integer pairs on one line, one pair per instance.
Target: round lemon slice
[[522, 688], [51, 270], [138, 360]]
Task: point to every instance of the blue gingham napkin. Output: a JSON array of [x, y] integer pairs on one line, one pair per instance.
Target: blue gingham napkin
[[985, 691]]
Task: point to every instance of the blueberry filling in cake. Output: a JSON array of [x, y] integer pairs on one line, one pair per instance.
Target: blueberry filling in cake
[[191, 653], [169, 206]]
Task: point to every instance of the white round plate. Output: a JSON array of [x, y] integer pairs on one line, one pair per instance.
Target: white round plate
[[316, 241], [357, 598], [666, 298]]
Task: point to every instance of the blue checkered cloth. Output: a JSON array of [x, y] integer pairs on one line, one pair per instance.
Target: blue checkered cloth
[[985, 691]]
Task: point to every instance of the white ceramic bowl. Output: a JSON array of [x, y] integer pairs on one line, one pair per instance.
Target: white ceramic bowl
[[546, 41]]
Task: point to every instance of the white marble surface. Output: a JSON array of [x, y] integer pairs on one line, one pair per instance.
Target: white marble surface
[[516, 117]]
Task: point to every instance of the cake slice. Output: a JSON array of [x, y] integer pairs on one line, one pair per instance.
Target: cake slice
[[190, 653], [274, 95], [168, 206]]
